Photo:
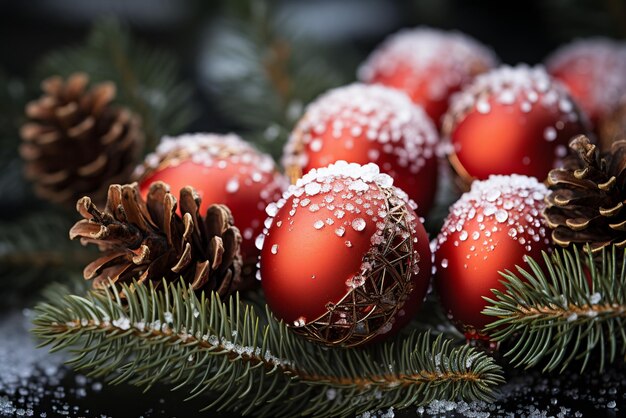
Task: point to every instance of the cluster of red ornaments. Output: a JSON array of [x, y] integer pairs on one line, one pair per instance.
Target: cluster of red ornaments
[[344, 256]]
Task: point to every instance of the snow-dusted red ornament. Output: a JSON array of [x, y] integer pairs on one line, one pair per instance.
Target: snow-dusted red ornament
[[361, 123], [344, 260], [428, 64], [489, 229], [222, 169], [512, 120], [594, 71]]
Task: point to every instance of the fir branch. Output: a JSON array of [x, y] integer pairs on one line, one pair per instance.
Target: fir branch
[[35, 249], [559, 317], [146, 79], [15, 192], [12, 101], [202, 345], [262, 77]]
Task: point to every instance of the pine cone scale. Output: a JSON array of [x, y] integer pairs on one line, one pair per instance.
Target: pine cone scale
[[184, 259], [149, 240], [619, 226], [610, 212], [585, 205], [95, 167], [201, 275], [92, 269]]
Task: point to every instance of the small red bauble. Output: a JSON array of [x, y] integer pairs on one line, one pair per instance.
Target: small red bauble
[[511, 120], [222, 169], [428, 64], [489, 229], [345, 259], [594, 71], [360, 123]]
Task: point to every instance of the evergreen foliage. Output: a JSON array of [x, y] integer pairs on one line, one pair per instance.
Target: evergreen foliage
[[204, 346]]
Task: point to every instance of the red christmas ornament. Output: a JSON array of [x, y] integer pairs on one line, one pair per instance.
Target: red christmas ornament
[[345, 259], [222, 169], [510, 120], [428, 64], [594, 71], [362, 124], [489, 229]]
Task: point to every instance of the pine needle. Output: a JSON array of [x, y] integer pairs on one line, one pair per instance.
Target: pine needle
[[562, 309], [146, 79], [201, 345]]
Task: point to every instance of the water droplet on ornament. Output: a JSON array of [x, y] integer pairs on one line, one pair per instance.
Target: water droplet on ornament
[[358, 186], [358, 224], [501, 215], [463, 235], [271, 209], [492, 195], [355, 282], [312, 189], [258, 242], [274, 249], [316, 145], [232, 186], [319, 224], [549, 134], [340, 231], [483, 106]]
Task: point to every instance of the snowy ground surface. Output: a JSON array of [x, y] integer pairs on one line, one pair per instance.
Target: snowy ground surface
[[36, 383]]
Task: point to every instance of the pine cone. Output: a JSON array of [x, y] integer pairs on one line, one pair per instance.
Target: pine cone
[[76, 143], [587, 196], [148, 240]]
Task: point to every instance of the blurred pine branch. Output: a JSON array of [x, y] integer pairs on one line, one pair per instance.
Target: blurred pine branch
[[15, 191], [35, 251], [147, 80], [260, 76]]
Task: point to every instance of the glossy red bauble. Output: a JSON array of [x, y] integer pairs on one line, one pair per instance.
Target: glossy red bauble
[[513, 120], [222, 169], [360, 123], [428, 64], [489, 229], [345, 260], [594, 71]]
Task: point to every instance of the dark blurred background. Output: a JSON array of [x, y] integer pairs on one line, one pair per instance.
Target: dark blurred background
[[519, 31]]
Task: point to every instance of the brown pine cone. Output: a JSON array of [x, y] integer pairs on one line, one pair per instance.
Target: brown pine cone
[[587, 196], [148, 240], [76, 143]]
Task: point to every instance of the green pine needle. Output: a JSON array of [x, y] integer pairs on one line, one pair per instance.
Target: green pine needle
[[206, 347], [34, 251], [146, 79], [262, 77], [553, 315]]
